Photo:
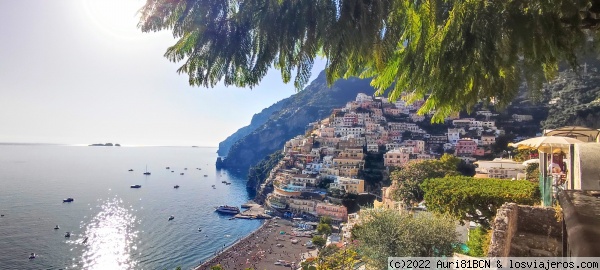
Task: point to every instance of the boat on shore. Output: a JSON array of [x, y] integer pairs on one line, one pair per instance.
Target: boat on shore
[[135, 186], [68, 200], [226, 209]]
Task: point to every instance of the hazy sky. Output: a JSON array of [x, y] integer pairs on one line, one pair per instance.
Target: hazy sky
[[80, 72]]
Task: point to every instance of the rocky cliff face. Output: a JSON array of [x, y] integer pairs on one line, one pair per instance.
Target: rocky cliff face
[[312, 104], [257, 120]]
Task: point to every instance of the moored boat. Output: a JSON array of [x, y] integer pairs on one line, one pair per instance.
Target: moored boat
[[226, 209], [68, 200], [176, 186], [136, 186], [171, 217]]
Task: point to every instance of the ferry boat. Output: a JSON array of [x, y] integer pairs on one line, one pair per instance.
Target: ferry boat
[[226, 209]]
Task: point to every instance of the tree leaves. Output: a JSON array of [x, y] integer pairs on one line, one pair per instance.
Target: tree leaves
[[453, 53]]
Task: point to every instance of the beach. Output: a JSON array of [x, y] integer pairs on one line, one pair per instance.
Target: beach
[[266, 248]]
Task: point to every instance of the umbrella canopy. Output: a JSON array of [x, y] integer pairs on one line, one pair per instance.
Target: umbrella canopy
[[581, 133], [547, 144]]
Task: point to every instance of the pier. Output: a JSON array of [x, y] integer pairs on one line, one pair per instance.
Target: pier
[[253, 211]]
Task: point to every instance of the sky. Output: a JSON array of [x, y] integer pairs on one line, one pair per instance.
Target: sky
[[81, 72]]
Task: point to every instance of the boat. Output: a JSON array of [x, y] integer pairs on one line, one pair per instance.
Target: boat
[[68, 234], [228, 183], [224, 182], [181, 174], [131, 170], [171, 217], [84, 240], [136, 186], [176, 186], [185, 169], [199, 229], [32, 256], [56, 228], [147, 172], [168, 168], [206, 175], [68, 200], [226, 209]]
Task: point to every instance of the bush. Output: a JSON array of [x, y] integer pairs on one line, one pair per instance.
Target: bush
[[467, 198]]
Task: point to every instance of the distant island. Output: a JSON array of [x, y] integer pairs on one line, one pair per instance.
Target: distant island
[[104, 144]]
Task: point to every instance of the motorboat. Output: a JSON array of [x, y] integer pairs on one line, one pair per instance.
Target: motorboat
[[228, 183], [68, 234], [56, 228], [68, 200], [172, 171], [168, 168], [199, 229], [206, 175], [171, 217], [181, 174], [136, 186], [224, 182], [226, 209], [32, 256], [176, 186], [185, 169], [131, 170]]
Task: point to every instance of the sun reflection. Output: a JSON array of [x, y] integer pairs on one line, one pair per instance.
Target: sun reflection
[[109, 238]]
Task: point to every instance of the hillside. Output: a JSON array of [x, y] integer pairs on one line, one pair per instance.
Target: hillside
[[312, 104], [257, 120]]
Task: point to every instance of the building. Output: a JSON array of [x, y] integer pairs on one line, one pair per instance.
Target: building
[[499, 168], [396, 157], [465, 147], [488, 139], [354, 186], [335, 212]]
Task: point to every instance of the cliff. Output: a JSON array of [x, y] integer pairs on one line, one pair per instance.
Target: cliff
[[257, 120], [312, 104]]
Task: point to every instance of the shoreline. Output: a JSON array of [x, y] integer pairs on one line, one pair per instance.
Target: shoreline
[[208, 262], [272, 246]]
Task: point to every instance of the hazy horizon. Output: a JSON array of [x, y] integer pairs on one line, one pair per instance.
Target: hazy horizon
[[81, 72]]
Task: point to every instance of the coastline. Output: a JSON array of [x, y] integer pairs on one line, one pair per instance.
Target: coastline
[[268, 247], [215, 258]]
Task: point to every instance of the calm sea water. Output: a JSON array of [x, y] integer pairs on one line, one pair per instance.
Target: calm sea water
[[126, 228]]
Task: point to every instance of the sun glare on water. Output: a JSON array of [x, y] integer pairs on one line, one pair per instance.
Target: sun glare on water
[[110, 238]]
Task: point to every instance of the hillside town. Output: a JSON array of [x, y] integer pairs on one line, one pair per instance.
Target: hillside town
[[318, 168]]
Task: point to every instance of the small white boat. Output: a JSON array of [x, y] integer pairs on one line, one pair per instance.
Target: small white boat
[[32, 256], [68, 234], [171, 218], [56, 228]]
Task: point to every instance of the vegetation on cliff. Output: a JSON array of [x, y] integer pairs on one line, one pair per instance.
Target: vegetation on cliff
[[259, 172], [257, 120]]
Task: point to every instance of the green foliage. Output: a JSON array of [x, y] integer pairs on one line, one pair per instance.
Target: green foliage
[[324, 229], [259, 172], [319, 241], [454, 52], [325, 220], [217, 267], [389, 233], [332, 257], [409, 178], [533, 172], [467, 198], [479, 241]]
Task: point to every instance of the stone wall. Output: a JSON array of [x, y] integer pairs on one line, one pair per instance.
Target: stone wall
[[525, 231]]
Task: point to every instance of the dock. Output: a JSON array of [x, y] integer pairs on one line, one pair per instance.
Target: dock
[[254, 211]]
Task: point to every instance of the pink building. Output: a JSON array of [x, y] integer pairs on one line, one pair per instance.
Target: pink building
[[396, 157], [465, 147], [335, 212]]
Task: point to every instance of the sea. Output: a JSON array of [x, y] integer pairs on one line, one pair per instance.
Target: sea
[[114, 226]]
